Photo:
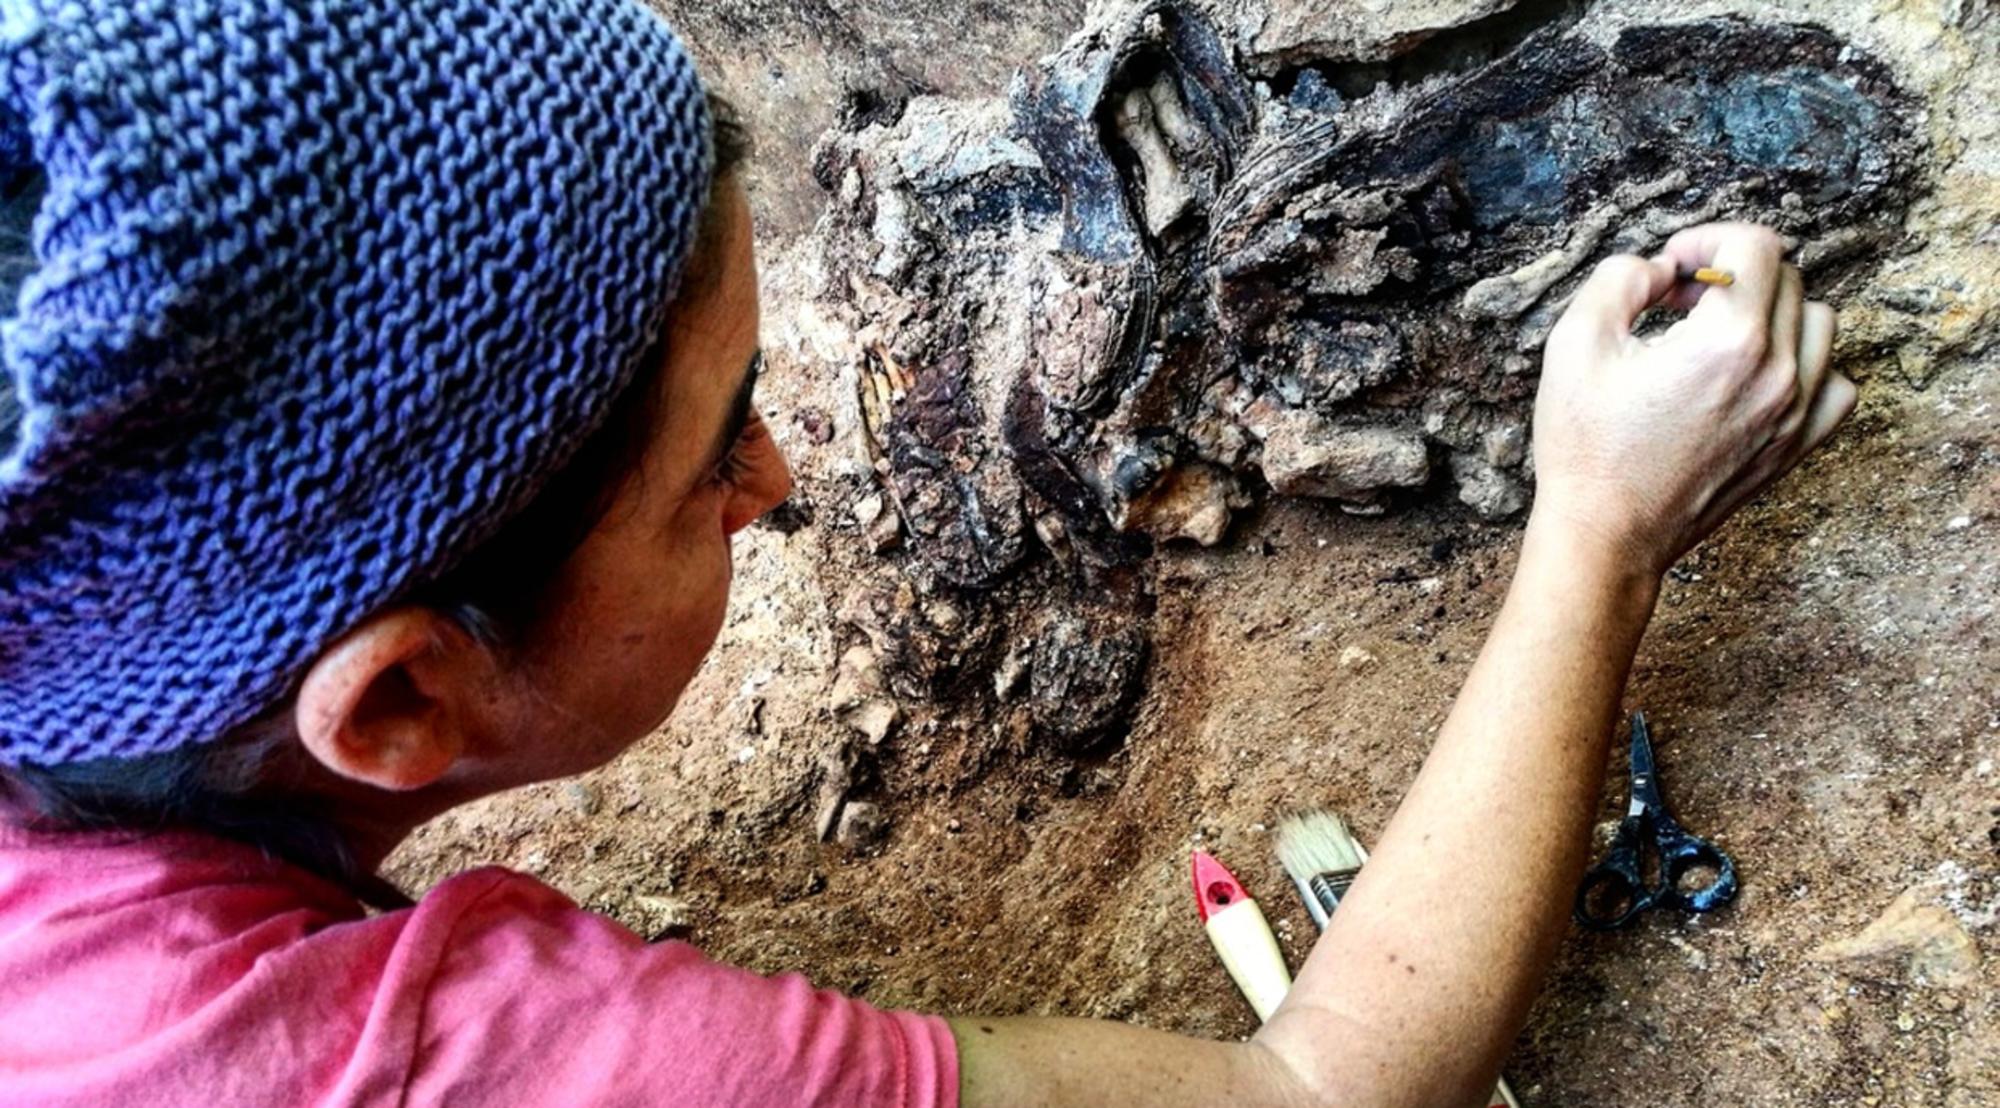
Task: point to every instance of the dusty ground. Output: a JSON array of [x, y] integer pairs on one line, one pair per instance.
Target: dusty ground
[[1821, 677]]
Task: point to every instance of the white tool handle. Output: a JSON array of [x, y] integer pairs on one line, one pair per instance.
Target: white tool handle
[[1250, 953]]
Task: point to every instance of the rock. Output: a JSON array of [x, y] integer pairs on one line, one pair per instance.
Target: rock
[[1013, 668], [817, 425], [1356, 657], [1933, 945], [1343, 30], [1322, 365], [1192, 501], [1085, 674], [1505, 446], [1306, 456], [885, 533], [582, 797], [1485, 488], [860, 697], [869, 509], [862, 825], [874, 718], [836, 777], [856, 678], [661, 917]]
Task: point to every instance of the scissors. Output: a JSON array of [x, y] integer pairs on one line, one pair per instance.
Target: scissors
[[1615, 890]]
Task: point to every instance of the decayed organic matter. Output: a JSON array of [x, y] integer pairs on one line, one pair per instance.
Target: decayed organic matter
[[1148, 288]]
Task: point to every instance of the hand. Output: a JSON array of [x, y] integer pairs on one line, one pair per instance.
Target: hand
[[1647, 445]]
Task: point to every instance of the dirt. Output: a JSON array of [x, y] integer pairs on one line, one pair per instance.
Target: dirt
[[1820, 676]]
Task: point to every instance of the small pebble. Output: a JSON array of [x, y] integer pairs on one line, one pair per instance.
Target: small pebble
[[862, 824], [582, 797]]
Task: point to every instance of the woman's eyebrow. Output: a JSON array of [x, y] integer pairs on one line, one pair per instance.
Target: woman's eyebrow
[[739, 411]]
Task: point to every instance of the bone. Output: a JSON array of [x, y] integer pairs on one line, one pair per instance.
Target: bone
[[1139, 306]]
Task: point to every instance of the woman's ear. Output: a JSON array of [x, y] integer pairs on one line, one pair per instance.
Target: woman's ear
[[394, 702]]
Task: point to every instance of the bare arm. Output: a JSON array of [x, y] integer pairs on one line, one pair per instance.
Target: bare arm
[[1424, 978]]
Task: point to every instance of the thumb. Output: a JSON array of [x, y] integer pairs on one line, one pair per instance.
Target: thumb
[[1611, 299]]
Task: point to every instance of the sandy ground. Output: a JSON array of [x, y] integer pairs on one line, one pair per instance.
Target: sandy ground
[[1820, 676]]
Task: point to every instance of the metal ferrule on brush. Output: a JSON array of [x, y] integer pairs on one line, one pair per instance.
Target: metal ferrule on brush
[[1324, 892]]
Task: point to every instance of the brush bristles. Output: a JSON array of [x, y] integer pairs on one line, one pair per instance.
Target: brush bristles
[[1316, 842]]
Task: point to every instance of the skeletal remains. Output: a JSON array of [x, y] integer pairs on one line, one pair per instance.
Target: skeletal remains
[[1148, 289]]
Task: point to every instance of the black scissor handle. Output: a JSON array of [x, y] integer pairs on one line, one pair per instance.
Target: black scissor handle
[[1612, 894], [1682, 853]]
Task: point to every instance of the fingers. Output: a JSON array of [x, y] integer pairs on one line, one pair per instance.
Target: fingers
[[1611, 299], [1788, 310], [1817, 328], [1830, 409], [1748, 251], [1826, 399]]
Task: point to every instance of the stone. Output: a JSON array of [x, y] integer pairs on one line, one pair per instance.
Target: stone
[[856, 678], [1306, 456], [1356, 657], [817, 425], [1193, 502], [1927, 939], [860, 697], [1357, 30], [582, 797], [885, 533], [836, 778], [1487, 489], [1505, 446], [660, 917], [1085, 674], [868, 509], [874, 718], [863, 824]]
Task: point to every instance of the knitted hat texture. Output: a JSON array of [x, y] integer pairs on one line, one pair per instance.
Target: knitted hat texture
[[325, 290]]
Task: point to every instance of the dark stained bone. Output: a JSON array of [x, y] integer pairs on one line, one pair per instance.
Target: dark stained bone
[[1116, 307]]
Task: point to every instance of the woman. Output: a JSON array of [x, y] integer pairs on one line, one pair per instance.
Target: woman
[[378, 413]]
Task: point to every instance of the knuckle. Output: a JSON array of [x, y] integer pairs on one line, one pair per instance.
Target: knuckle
[[1619, 265], [1619, 271], [1781, 399], [1736, 347], [1760, 238]]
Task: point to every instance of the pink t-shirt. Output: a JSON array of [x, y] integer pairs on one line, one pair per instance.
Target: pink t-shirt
[[180, 969]]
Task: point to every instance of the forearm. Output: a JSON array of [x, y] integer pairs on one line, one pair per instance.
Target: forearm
[[1427, 971]]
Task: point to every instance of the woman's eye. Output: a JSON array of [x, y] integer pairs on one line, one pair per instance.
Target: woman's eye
[[735, 465]]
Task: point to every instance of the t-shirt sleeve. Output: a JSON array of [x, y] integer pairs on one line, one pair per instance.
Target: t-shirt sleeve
[[529, 1000]]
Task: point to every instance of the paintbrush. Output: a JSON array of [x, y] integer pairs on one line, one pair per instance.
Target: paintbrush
[[1323, 857]]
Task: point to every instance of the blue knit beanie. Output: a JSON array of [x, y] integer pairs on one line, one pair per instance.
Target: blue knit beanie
[[326, 289]]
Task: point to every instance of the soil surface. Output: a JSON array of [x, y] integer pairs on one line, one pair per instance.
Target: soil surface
[[1820, 680]]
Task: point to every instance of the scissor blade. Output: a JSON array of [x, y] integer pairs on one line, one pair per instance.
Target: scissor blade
[[1645, 776]]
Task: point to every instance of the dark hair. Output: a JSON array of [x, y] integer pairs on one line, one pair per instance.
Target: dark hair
[[224, 787]]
